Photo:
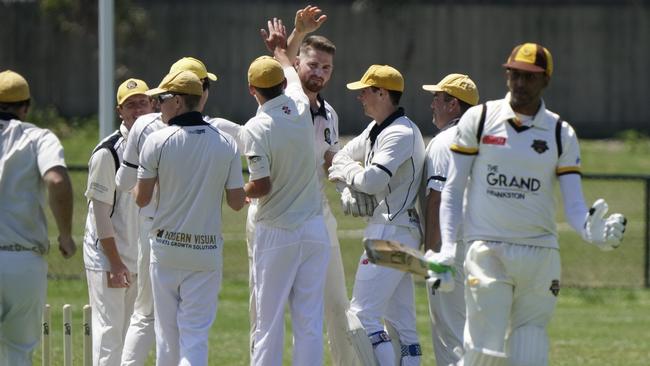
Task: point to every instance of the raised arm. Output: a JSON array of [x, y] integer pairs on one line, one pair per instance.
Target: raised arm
[[307, 21]]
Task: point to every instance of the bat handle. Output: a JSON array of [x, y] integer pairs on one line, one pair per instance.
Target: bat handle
[[441, 268]]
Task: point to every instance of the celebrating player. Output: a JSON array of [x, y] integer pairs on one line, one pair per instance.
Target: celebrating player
[[386, 161], [452, 96], [194, 163], [32, 162], [290, 246], [512, 151]]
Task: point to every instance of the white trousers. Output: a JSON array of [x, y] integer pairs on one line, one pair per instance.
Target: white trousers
[[447, 313], [185, 306], [289, 266], [23, 285], [140, 336], [385, 294], [111, 311], [511, 295]]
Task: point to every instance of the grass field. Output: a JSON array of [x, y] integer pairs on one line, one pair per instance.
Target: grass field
[[601, 317]]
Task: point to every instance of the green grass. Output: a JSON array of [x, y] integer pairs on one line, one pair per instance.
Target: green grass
[[601, 318]]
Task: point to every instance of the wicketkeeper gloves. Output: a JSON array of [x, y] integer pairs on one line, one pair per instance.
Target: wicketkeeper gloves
[[344, 169], [606, 234], [357, 203]]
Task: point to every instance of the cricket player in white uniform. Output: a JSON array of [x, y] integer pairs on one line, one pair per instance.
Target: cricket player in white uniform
[[452, 96], [193, 163], [314, 66], [291, 245], [386, 161], [111, 236], [510, 153], [140, 335], [31, 162]]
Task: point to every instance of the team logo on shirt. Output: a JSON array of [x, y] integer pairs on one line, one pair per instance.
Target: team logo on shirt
[[286, 109], [555, 287], [540, 146], [327, 135]]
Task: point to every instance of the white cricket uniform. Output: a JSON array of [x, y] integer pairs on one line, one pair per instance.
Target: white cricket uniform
[[112, 307], [26, 154], [513, 263], [380, 293], [140, 334], [291, 245], [194, 162], [326, 138], [446, 309]]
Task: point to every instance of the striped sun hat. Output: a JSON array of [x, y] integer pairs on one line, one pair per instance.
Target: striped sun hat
[[530, 57]]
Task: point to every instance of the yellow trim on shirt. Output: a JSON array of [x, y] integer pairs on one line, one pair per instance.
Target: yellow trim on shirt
[[567, 170], [463, 150]]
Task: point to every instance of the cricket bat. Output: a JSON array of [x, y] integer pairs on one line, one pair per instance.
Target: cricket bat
[[395, 255]]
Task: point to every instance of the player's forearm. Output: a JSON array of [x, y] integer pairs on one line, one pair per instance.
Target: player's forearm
[[59, 190], [293, 44], [371, 180], [110, 250], [258, 188], [432, 224], [143, 191], [575, 209], [236, 198]]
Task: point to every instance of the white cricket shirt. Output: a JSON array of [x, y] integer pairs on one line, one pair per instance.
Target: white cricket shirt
[[27, 152], [279, 143], [510, 193], [124, 218], [194, 163], [397, 148]]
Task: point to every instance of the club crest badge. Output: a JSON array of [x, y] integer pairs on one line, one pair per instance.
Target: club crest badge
[[328, 136], [131, 84], [540, 146], [286, 109], [555, 287]]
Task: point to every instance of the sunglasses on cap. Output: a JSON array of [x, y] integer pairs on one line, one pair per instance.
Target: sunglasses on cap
[[161, 98]]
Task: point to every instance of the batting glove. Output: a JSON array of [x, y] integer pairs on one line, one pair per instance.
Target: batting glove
[[344, 168], [606, 234], [440, 276], [357, 203]]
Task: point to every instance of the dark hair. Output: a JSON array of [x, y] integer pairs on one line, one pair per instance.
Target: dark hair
[[394, 95], [271, 92], [205, 84], [12, 106], [464, 106], [319, 43], [191, 101]]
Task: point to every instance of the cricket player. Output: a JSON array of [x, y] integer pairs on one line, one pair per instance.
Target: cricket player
[[140, 334], [193, 163], [290, 245], [314, 66], [31, 162], [386, 161], [452, 96], [510, 153], [111, 235]]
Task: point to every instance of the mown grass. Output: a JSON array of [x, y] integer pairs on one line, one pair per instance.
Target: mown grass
[[601, 318]]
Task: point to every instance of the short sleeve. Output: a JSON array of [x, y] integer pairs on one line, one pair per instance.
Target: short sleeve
[[149, 158], [436, 166], [101, 177], [130, 154], [235, 176], [335, 146], [569, 160], [256, 150], [466, 139], [49, 152]]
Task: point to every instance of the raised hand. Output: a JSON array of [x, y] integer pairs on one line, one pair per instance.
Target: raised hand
[[276, 36], [309, 19]]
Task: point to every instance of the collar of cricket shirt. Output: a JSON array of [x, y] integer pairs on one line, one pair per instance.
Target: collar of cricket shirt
[[377, 128], [193, 118], [539, 119], [321, 108], [6, 116]]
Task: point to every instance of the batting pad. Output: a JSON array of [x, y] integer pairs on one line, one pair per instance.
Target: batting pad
[[360, 341]]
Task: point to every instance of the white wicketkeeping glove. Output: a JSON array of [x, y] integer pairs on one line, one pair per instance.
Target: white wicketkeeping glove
[[344, 168], [357, 203], [440, 276], [606, 234]]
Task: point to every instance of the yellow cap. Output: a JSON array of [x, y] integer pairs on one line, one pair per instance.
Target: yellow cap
[[193, 65], [380, 76], [458, 86], [129, 88], [180, 82], [13, 87], [530, 57], [265, 72]]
